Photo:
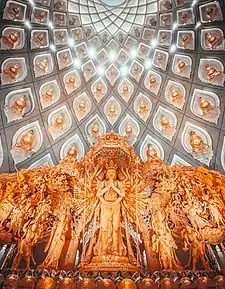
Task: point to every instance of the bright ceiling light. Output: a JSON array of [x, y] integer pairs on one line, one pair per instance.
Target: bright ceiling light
[[27, 24], [123, 70], [148, 64], [175, 25], [198, 24], [52, 47], [112, 55], [50, 25], [100, 70], [92, 52], [153, 43], [133, 53], [173, 48], [77, 63], [70, 42]]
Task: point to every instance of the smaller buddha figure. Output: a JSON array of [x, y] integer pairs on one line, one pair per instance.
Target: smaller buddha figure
[[165, 123], [12, 72], [181, 65], [136, 69], [82, 52], [167, 5], [152, 82], [166, 19], [214, 40], [129, 133], [60, 36], [197, 144], [210, 112], [72, 151], [39, 16], [151, 152], [205, 105], [185, 41], [211, 13], [43, 65], [152, 21], [39, 39], [167, 129], [212, 73], [19, 105], [95, 134], [143, 108], [72, 80], [160, 60], [184, 18], [13, 12], [60, 19], [57, 127], [11, 39], [99, 90], [70, 83], [49, 95], [112, 111], [77, 33], [177, 98], [143, 50], [73, 20], [125, 90], [59, 121], [26, 142], [164, 38], [59, 4], [82, 106], [65, 58]]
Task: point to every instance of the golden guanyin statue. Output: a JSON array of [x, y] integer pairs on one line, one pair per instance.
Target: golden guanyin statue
[[108, 210]]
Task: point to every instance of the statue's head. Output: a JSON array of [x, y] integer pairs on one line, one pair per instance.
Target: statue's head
[[111, 169]]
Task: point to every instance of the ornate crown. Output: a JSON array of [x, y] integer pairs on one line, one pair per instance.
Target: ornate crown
[[111, 165]]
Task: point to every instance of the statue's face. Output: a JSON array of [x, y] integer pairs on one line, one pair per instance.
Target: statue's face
[[111, 174]]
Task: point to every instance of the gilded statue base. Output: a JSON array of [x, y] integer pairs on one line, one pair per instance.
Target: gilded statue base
[[109, 263]]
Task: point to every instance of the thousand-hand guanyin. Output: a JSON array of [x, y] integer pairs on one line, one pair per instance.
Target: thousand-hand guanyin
[[112, 211]]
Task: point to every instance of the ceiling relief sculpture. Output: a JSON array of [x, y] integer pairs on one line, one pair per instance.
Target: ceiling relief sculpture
[[84, 68]]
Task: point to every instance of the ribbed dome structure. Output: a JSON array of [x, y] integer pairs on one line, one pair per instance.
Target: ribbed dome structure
[[72, 70]]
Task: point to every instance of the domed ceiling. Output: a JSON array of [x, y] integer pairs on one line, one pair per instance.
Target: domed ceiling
[[150, 70]]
